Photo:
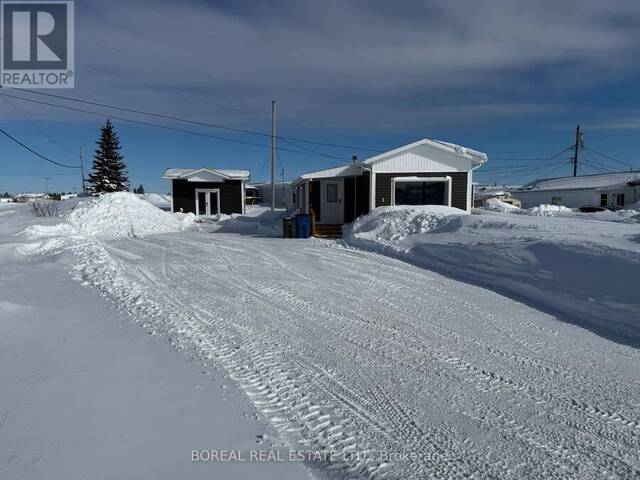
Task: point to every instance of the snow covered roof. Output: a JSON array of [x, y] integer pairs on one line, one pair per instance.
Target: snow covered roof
[[341, 171], [187, 173], [596, 181], [476, 157], [30, 195]]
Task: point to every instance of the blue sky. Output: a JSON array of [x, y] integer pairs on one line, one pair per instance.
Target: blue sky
[[510, 78]]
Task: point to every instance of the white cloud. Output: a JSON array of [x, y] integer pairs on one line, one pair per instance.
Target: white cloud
[[360, 64]]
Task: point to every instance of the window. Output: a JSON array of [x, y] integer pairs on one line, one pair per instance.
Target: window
[[603, 200], [620, 200], [556, 200], [420, 193], [332, 193]]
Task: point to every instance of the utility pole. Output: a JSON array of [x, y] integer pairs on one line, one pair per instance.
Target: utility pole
[[577, 149], [46, 184], [82, 169], [273, 155]]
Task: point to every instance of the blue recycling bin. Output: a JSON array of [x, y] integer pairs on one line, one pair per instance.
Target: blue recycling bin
[[303, 225]]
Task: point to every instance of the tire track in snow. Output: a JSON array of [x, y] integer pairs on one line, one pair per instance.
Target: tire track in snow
[[291, 326]]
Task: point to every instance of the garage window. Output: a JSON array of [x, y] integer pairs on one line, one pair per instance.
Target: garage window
[[421, 191]]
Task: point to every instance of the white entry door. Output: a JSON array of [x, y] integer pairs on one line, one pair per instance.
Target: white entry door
[[207, 202], [332, 202]]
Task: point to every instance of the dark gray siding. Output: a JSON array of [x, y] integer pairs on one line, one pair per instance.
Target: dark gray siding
[[349, 201], [184, 195], [363, 185], [314, 200], [458, 186]]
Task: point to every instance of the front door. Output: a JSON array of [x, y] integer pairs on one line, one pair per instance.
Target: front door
[[333, 202], [207, 202]]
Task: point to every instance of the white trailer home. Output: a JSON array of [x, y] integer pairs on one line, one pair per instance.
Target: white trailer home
[[606, 190], [427, 172]]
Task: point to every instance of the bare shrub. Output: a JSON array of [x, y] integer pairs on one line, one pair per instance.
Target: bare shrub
[[44, 208]]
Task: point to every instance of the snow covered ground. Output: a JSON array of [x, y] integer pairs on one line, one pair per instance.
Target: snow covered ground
[[583, 268], [399, 371], [85, 393]]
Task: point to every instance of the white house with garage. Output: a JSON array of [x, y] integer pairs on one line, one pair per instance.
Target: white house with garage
[[605, 190], [426, 172]]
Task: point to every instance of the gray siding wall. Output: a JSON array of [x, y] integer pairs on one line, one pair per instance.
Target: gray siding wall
[[458, 186]]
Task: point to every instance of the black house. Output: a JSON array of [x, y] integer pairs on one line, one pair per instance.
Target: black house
[[207, 191]]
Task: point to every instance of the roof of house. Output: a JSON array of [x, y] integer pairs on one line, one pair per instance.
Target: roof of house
[[185, 173], [473, 155], [596, 181], [30, 195], [356, 168], [341, 171]]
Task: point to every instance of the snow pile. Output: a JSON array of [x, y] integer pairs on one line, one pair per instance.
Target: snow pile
[[547, 210], [633, 206], [261, 222], [387, 225], [548, 261], [163, 202], [113, 215], [499, 205]]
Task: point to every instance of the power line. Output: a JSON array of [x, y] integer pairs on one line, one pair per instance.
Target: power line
[[34, 152], [610, 158], [523, 172], [155, 125], [143, 112], [595, 164], [306, 148], [194, 122], [525, 166]]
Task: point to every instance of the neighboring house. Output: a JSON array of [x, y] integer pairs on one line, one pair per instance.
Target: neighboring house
[[483, 193], [7, 200], [30, 197], [68, 196], [284, 194], [207, 191], [252, 195], [427, 172], [607, 190]]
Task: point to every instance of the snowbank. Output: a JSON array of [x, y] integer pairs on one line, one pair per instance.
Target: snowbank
[[163, 202], [259, 221], [497, 204], [552, 263], [388, 224], [547, 210], [633, 206], [113, 215]]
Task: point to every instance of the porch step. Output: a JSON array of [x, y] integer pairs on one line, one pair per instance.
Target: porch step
[[328, 231]]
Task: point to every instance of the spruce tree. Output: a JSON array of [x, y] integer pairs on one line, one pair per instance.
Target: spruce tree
[[109, 171]]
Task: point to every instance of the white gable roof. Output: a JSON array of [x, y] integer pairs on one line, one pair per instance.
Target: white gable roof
[[474, 156], [198, 174]]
